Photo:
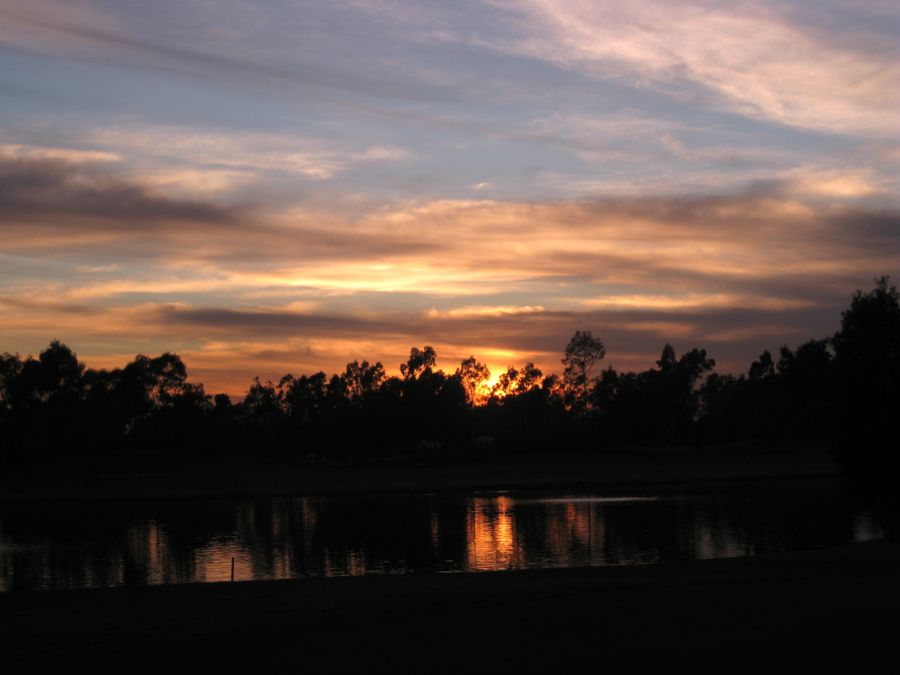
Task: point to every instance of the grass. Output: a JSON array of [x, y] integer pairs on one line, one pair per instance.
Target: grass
[[832, 609], [161, 475]]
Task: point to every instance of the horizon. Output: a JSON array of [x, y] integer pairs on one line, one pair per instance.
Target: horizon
[[279, 188], [442, 365]]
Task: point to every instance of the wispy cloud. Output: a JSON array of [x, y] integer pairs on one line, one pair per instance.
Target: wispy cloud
[[273, 186], [35, 152], [463, 247], [482, 310], [201, 45], [210, 151], [732, 273], [751, 57]]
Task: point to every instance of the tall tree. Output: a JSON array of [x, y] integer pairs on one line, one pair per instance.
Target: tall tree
[[582, 354], [867, 355]]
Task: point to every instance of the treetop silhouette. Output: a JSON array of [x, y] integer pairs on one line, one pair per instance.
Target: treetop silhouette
[[844, 389], [581, 355]]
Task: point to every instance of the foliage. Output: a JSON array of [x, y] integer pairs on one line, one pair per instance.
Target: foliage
[[846, 388], [581, 354], [472, 375], [867, 357]]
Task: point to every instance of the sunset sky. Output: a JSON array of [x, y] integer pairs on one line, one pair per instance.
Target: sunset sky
[[278, 186]]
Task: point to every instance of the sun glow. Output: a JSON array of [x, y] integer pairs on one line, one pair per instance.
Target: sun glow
[[254, 243]]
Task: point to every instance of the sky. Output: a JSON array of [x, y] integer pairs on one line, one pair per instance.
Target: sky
[[274, 186]]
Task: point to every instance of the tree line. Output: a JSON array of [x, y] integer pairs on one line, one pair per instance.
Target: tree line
[[842, 390]]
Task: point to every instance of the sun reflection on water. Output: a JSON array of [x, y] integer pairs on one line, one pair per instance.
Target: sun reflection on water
[[491, 535], [293, 537]]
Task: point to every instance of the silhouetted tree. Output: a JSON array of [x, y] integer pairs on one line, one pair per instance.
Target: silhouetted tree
[[419, 362], [530, 378], [847, 387], [10, 369], [806, 391], [722, 408], [362, 379], [472, 375], [507, 383], [867, 355], [582, 353], [517, 381], [680, 395], [763, 368]]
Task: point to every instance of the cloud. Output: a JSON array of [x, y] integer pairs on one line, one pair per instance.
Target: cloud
[[328, 342], [48, 188], [210, 151], [225, 347], [841, 182], [193, 183], [464, 248], [753, 59], [36, 152], [482, 310], [107, 263], [722, 155], [383, 153], [694, 301], [215, 320], [120, 37], [486, 177]]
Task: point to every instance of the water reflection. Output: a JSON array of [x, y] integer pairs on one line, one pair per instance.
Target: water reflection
[[491, 541], [94, 545]]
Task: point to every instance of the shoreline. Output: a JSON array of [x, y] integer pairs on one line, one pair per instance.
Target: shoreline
[[129, 478], [772, 612], [828, 608]]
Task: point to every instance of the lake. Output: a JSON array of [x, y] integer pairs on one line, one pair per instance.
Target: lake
[[119, 543]]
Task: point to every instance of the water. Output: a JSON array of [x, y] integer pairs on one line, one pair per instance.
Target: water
[[86, 545]]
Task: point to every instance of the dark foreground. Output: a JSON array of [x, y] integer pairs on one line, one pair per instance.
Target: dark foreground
[[831, 609], [152, 475]]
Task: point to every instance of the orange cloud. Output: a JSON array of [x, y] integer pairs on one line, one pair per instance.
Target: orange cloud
[[243, 291]]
